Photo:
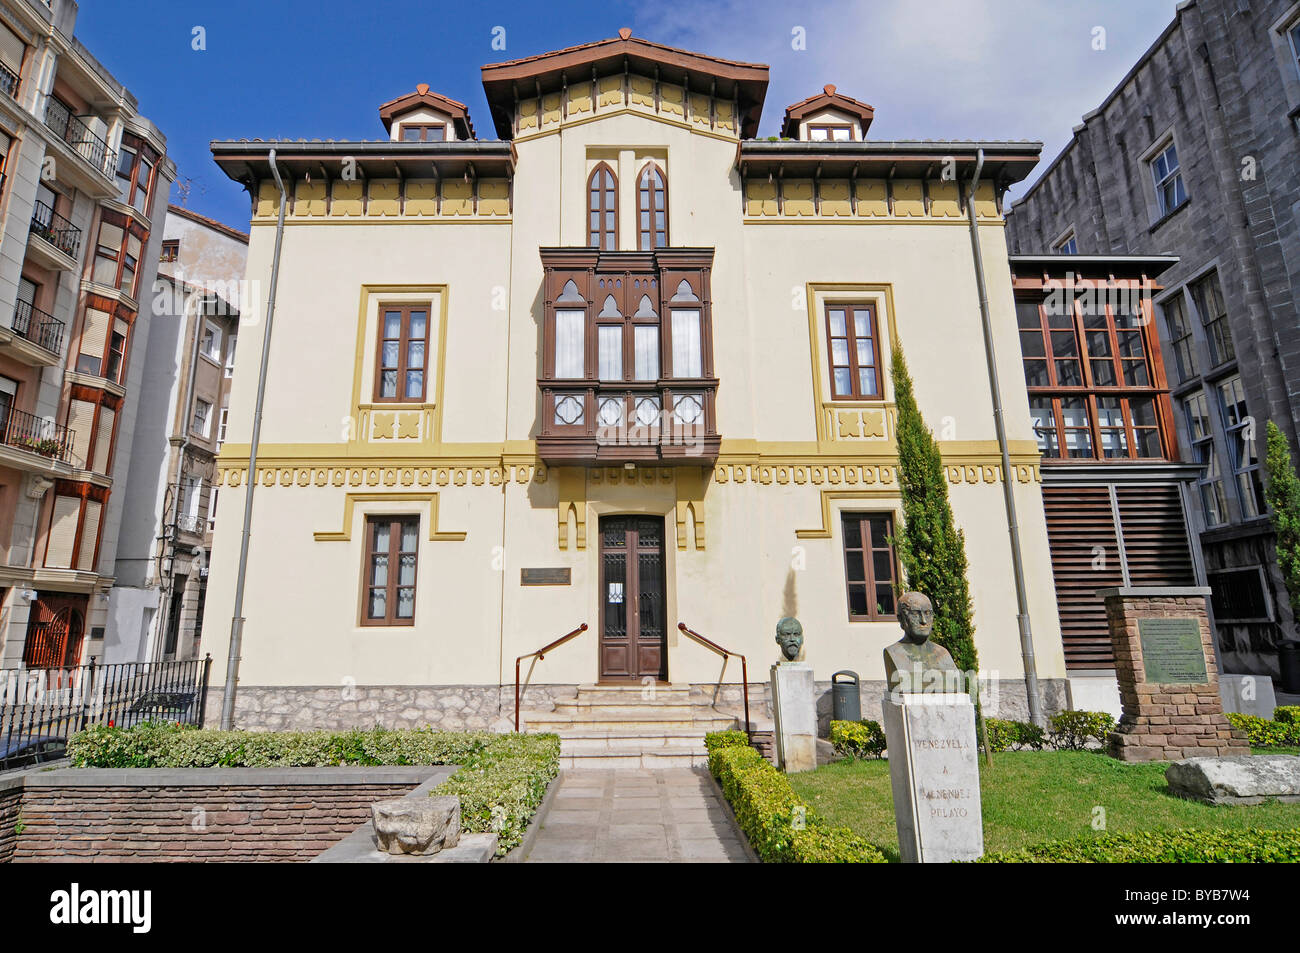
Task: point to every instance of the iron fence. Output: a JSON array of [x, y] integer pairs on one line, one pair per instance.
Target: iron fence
[[39, 327], [40, 708]]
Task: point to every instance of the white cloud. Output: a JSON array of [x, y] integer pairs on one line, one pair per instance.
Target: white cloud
[[939, 69]]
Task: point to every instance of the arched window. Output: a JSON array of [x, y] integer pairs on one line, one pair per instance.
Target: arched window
[[652, 208], [602, 209]]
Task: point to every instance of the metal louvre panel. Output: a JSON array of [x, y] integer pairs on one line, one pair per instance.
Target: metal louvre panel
[[1155, 535], [1079, 519]]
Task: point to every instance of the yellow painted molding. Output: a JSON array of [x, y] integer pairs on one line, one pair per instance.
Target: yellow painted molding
[[830, 496], [350, 501], [850, 291], [553, 129], [691, 484]]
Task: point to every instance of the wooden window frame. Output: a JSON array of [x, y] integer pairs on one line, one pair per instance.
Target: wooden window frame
[[865, 551], [170, 251], [404, 341], [647, 238], [597, 238], [830, 127], [1213, 323], [394, 554], [1180, 343], [1238, 467], [850, 327], [1205, 452], [206, 432], [1091, 393], [424, 128]]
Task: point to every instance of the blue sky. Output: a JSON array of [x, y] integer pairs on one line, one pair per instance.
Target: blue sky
[[940, 69]]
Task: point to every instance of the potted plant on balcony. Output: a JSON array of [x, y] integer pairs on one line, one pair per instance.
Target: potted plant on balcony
[[45, 446]]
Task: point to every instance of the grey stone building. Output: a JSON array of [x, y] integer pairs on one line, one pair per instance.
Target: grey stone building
[[1196, 154]]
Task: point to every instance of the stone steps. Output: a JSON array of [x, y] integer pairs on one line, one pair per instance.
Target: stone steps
[[616, 726]]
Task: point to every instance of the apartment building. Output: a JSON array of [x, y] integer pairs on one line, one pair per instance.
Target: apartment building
[[161, 566], [1196, 155], [85, 182]]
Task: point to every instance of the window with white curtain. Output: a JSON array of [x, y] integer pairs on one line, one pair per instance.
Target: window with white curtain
[[646, 346], [609, 346], [687, 356], [569, 344]]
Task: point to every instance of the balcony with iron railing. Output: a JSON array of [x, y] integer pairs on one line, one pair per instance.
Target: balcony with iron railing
[[9, 82], [38, 435], [39, 327], [55, 229], [74, 131]]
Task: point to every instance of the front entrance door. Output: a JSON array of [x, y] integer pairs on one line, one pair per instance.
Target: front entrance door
[[632, 605]]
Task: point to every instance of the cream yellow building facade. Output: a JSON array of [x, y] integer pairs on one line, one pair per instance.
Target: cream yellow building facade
[[528, 435]]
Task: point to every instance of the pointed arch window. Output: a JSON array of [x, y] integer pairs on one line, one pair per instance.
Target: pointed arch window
[[602, 208], [652, 208]]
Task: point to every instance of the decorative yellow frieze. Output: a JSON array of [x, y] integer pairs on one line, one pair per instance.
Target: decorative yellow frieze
[[579, 99], [309, 198], [384, 197], [945, 201], [909, 198], [834, 198], [610, 91], [837, 199], [347, 199]]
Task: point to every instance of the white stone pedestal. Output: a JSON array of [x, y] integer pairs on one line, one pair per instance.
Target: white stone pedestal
[[934, 773], [794, 707]]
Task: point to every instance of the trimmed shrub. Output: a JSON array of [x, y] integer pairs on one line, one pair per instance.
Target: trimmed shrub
[[725, 739], [1262, 733], [1004, 735], [1283, 496], [778, 825], [1249, 846], [1072, 730], [1287, 714], [502, 778], [858, 739]]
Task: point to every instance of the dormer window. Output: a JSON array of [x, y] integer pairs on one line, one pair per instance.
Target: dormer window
[[426, 116], [829, 116]]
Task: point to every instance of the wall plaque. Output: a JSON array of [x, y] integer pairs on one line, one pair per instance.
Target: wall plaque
[[1172, 652], [546, 576]]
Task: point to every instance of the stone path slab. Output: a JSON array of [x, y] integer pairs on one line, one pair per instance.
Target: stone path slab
[[638, 816]]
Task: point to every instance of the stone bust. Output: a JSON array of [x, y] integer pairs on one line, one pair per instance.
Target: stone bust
[[914, 663], [789, 635]]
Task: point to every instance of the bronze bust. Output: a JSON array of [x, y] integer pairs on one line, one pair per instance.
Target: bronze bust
[[914, 663], [789, 635]]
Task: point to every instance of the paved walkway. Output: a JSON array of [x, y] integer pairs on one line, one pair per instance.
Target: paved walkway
[[660, 816]]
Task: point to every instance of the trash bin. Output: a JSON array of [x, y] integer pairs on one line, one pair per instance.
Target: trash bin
[[846, 703], [1288, 657]]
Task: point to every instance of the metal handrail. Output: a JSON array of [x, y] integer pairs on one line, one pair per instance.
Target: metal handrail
[[72, 130], [55, 229], [541, 654], [744, 670], [9, 82], [39, 327]]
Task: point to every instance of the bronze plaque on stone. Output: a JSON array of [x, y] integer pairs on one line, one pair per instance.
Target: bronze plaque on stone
[[1172, 652], [546, 576]]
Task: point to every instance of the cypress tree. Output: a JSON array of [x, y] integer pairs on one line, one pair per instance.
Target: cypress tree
[[1283, 495], [930, 546]]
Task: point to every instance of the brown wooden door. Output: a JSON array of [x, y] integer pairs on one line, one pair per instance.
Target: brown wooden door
[[55, 629], [633, 634]]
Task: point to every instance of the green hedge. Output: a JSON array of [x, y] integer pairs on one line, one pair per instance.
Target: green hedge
[[1072, 730], [1004, 735], [1262, 733], [1287, 714], [858, 739], [1249, 846], [501, 781], [768, 811]]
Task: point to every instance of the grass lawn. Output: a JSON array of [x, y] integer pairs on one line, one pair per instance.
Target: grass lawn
[[1035, 796]]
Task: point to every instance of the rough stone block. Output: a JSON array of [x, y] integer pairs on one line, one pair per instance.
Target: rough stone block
[[1248, 779], [416, 825]]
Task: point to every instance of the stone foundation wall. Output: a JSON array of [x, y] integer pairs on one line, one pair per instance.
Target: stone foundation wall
[[484, 707], [198, 814], [11, 797]]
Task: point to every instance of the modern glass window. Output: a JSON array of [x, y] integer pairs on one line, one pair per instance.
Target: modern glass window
[[1242, 455], [222, 422], [392, 550], [1168, 177], [1214, 502], [652, 208], [869, 565], [602, 208], [1181, 341], [1092, 392], [202, 420], [1208, 295], [402, 373], [854, 347], [230, 356], [423, 132]]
